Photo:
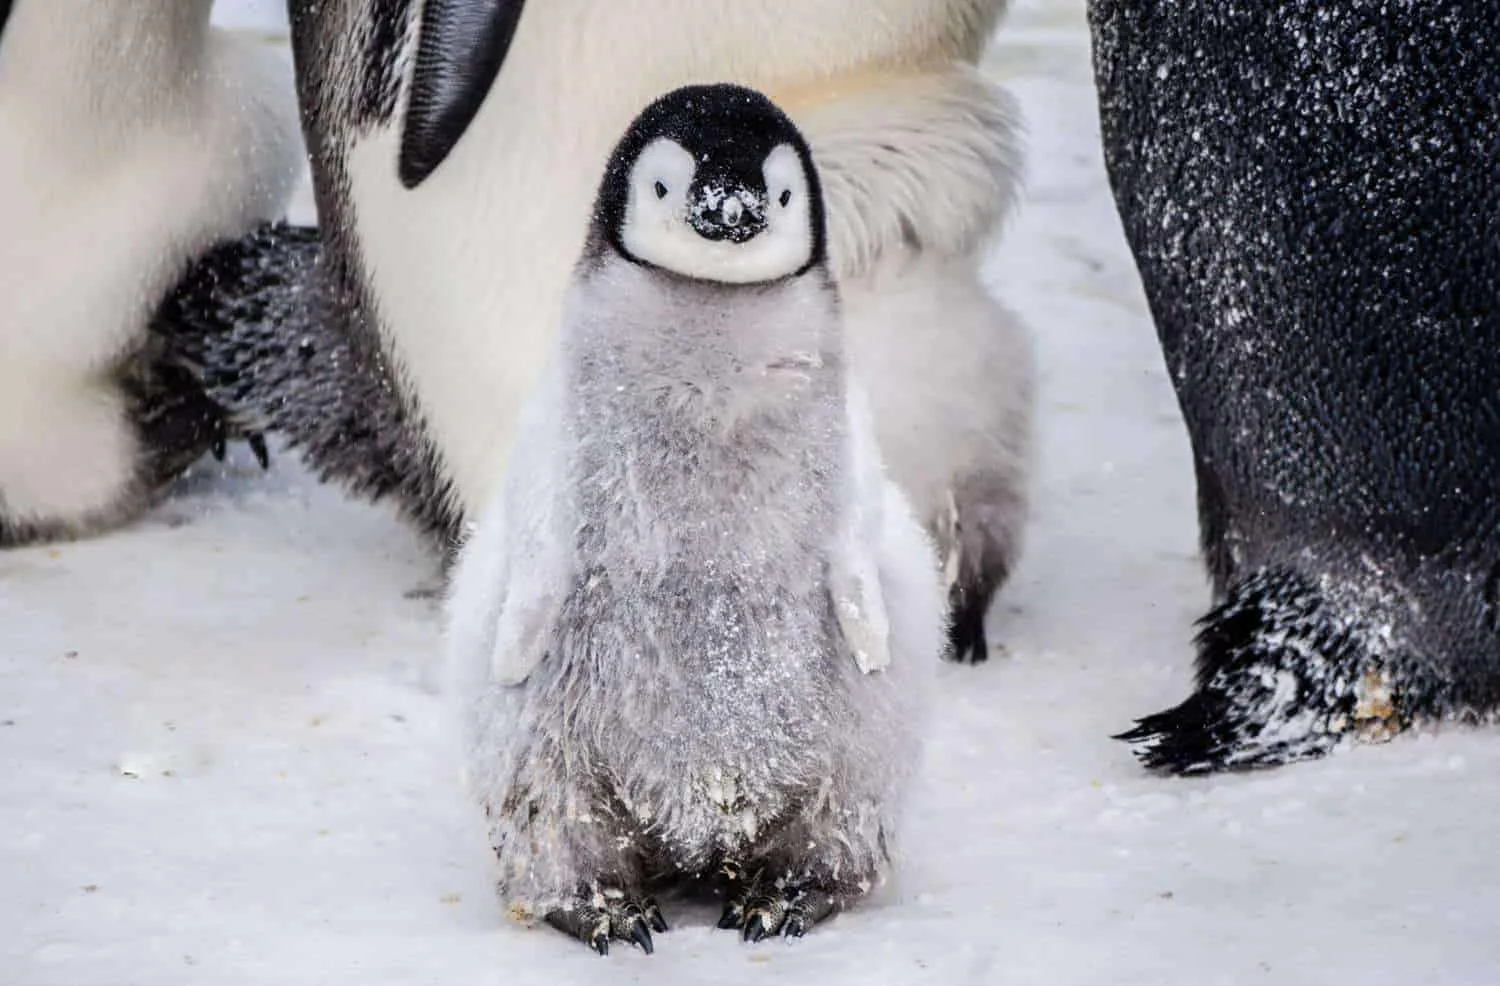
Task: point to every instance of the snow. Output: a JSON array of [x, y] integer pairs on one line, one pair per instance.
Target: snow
[[226, 763]]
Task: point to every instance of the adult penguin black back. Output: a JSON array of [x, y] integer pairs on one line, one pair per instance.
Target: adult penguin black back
[[1311, 193]]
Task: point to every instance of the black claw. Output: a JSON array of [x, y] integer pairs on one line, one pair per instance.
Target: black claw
[[1140, 731], [217, 447], [755, 928], [597, 917], [763, 909], [1189, 739], [654, 917], [640, 934], [258, 448]]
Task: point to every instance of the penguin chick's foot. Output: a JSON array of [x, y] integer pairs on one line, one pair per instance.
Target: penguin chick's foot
[[762, 907], [968, 602], [977, 564], [1283, 676], [595, 918]]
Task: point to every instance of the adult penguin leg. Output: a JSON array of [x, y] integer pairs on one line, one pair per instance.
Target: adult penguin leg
[[133, 137], [1311, 194], [267, 337]]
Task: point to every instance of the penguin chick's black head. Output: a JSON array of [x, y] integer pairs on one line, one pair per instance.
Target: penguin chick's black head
[[714, 183]]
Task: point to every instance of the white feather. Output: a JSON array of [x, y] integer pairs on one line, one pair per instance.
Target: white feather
[[654, 230], [920, 171], [930, 159], [955, 374], [858, 592]]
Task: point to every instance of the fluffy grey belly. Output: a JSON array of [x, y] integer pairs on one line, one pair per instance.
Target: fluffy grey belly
[[710, 707]]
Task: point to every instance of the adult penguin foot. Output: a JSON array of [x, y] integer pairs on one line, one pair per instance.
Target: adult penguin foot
[[1285, 674]]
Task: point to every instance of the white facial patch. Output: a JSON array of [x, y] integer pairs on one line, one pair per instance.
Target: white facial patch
[[657, 231]]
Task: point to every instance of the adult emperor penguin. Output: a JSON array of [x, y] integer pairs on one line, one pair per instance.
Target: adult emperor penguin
[[456, 144], [133, 139], [1311, 193], [689, 639]]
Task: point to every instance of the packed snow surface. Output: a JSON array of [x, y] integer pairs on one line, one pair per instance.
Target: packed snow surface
[[224, 761]]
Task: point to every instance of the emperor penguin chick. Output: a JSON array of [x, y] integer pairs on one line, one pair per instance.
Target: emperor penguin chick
[[689, 640]]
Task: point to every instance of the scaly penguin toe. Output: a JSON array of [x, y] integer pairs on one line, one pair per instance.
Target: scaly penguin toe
[[599, 917], [763, 907]]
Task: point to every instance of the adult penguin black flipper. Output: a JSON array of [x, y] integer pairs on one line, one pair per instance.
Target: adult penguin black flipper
[[1311, 195], [460, 48]]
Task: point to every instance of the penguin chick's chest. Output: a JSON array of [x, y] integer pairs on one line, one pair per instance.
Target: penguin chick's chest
[[702, 622], [715, 694]]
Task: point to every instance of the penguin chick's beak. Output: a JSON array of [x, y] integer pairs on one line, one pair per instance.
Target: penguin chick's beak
[[734, 214]]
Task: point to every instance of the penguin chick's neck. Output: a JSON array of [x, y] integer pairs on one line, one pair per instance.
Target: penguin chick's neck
[[704, 406], [702, 353], [123, 60]]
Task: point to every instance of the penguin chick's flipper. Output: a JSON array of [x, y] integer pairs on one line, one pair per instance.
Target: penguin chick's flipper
[[858, 599], [763, 906], [859, 603], [1283, 675], [599, 916], [513, 571], [460, 49]]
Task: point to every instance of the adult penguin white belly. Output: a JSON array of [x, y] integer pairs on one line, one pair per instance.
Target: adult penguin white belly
[[455, 147], [133, 139]]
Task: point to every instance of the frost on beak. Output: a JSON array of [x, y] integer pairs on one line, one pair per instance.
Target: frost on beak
[[734, 213]]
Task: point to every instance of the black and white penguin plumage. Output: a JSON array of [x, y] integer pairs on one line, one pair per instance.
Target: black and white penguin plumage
[[689, 639], [133, 139], [456, 145], [1312, 194]]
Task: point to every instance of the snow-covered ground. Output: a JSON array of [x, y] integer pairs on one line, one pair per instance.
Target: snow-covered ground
[[223, 762]]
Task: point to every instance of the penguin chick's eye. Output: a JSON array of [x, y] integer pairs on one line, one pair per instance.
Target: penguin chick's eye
[[786, 197], [661, 190]]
